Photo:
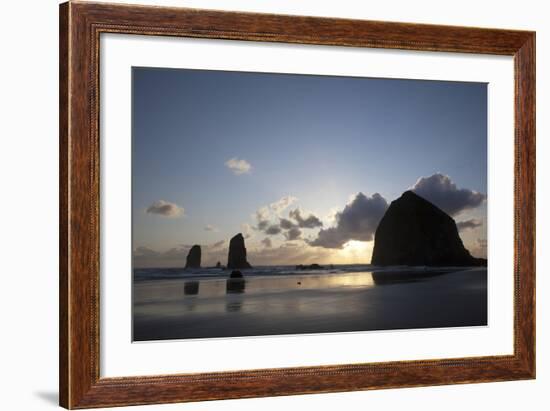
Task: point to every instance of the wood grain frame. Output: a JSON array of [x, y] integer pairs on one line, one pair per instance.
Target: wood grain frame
[[81, 24]]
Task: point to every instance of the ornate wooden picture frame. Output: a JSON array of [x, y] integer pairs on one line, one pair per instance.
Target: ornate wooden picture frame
[[80, 27]]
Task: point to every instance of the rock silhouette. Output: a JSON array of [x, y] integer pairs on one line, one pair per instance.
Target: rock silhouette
[[237, 253], [236, 274], [415, 232], [194, 257], [235, 283]]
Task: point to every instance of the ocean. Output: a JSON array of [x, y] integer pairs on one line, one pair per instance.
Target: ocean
[[173, 303]]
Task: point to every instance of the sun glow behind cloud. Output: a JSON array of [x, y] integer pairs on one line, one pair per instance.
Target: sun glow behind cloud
[[354, 252]]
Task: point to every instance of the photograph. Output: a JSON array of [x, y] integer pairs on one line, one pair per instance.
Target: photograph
[[279, 203]]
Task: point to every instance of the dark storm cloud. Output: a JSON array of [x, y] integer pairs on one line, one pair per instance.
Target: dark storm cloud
[[165, 208], [267, 242], [357, 221], [310, 221], [293, 234], [441, 191], [468, 224]]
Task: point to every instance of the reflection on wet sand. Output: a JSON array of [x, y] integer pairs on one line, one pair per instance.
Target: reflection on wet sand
[[233, 306], [395, 277], [235, 285], [191, 288], [165, 290], [253, 285]]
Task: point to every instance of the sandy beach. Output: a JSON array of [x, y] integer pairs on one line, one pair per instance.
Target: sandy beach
[[272, 302]]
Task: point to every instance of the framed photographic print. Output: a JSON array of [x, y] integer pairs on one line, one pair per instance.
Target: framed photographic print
[[257, 205]]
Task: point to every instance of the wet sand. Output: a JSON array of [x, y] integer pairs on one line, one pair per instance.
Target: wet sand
[[308, 303]]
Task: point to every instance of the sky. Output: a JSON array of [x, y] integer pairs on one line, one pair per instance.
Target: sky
[[304, 166]]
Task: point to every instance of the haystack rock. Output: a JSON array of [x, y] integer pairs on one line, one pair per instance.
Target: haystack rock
[[237, 253], [194, 257], [415, 232]]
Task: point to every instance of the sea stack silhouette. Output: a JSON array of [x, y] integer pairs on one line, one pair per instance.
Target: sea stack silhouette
[[237, 253], [415, 232], [194, 257]]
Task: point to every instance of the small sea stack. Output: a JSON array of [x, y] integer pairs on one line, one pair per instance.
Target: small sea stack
[[235, 283], [237, 254], [310, 267], [194, 257], [236, 274]]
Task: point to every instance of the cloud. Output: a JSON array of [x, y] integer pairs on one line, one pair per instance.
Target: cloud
[[441, 191], [210, 227], [357, 221], [290, 229], [280, 205], [290, 253], [262, 225], [238, 166], [270, 222], [285, 224], [146, 257], [266, 215], [145, 252], [218, 244], [272, 230], [263, 213], [479, 248], [469, 224], [262, 217], [246, 230], [266, 254], [165, 209], [293, 234], [289, 244], [310, 221], [215, 252]]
